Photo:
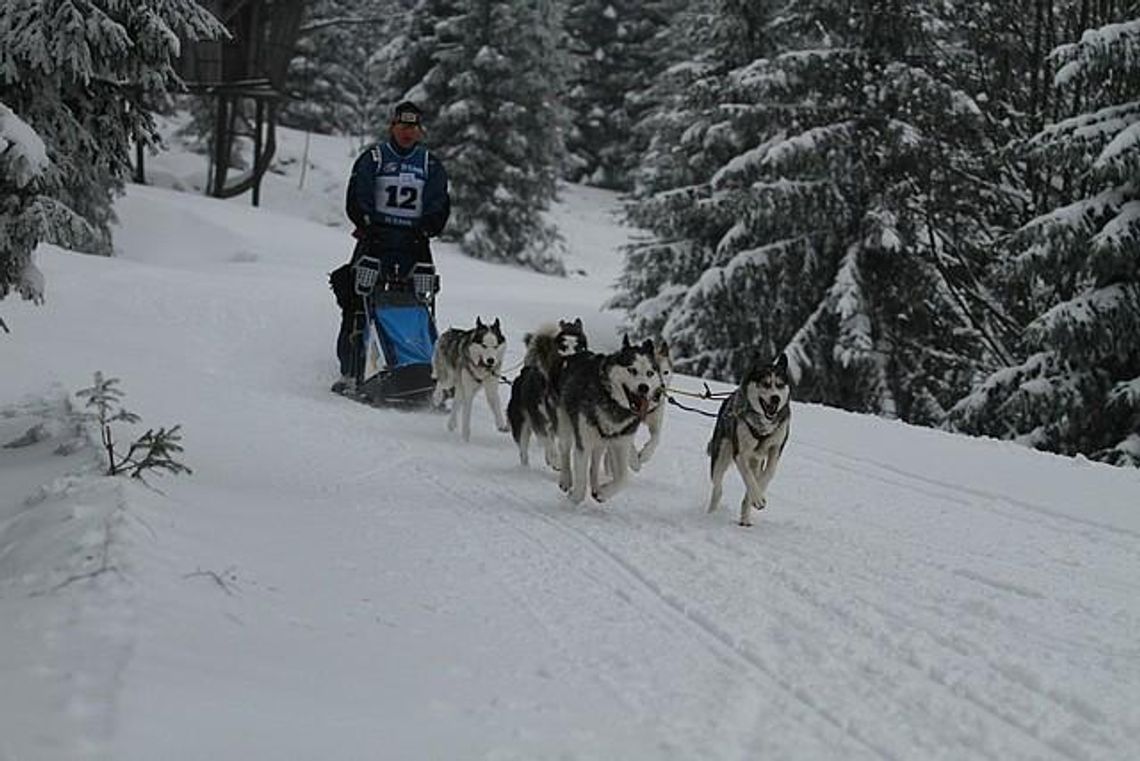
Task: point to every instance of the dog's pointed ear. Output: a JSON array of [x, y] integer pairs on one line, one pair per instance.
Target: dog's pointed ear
[[496, 326], [647, 346], [663, 348], [577, 323], [478, 322], [625, 341], [781, 362]]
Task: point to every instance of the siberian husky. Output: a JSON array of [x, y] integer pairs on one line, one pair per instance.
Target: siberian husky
[[464, 361], [601, 401], [751, 430], [531, 409]]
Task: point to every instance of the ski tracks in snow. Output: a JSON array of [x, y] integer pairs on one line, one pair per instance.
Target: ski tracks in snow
[[679, 675], [872, 612]]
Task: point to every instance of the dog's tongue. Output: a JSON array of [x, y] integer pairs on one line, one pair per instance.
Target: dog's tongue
[[640, 405]]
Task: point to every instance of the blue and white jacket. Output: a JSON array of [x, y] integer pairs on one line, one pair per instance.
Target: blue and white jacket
[[397, 200]]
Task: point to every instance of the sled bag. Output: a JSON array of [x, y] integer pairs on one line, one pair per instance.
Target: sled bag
[[406, 332]]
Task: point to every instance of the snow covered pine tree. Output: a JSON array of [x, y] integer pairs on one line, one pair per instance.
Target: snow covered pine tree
[[493, 87], [23, 160], [825, 231], [1074, 273], [83, 76]]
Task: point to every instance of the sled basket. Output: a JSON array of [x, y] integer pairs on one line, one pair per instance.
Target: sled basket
[[404, 329], [399, 334]]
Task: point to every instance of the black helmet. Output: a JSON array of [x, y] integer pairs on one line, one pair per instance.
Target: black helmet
[[408, 113]]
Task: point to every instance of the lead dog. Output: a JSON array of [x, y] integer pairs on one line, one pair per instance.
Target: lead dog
[[601, 401], [531, 409], [465, 361], [751, 430]]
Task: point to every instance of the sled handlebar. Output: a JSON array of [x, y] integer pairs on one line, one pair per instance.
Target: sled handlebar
[[423, 280]]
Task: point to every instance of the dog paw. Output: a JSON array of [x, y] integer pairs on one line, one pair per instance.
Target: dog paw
[[504, 428], [598, 496], [745, 523], [760, 504]]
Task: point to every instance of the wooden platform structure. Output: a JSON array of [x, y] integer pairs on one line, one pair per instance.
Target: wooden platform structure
[[244, 77]]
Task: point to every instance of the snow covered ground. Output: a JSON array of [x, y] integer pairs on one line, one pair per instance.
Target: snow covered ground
[[339, 582]]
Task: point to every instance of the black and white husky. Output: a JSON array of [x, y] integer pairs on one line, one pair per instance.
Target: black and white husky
[[601, 401], [751, 430], [531, 409], [465, 361]]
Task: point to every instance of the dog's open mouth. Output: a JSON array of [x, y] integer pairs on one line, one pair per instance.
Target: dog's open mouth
[[770, 406], [638, 403]]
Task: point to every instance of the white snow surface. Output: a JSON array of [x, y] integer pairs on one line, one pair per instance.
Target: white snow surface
[[335, 581]]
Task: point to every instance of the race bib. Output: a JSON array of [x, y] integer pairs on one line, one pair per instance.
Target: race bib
[[400, 195]]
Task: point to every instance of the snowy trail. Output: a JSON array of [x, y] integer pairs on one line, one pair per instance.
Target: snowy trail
[[342, 582]]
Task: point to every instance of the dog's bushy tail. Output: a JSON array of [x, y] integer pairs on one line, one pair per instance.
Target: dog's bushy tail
[[541, 348]]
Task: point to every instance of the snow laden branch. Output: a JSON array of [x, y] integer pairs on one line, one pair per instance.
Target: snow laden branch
[[23, 161]]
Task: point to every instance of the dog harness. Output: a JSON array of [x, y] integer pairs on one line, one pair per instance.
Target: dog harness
[[617, 412], [478, 372], [756, 425]]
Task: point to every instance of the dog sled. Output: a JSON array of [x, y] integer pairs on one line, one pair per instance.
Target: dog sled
[[394, 334]]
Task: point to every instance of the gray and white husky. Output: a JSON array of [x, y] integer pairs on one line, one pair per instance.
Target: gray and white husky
[[531, 409], [602, 399], [465, 361], [751, 430]]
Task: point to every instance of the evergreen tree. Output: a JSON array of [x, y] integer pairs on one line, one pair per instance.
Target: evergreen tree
[[23, 161], [839, 228], [684, 134], [82, 75], [409, 63], [493, 85], [613, 49], [1074, 273], [336, 70]]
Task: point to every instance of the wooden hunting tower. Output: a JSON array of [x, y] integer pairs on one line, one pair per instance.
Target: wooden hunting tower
[[244, 77]]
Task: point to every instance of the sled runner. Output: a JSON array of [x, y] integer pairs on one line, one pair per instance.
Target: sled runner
[[395, 334]]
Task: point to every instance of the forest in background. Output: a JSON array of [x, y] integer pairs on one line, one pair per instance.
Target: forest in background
[[932, 207]]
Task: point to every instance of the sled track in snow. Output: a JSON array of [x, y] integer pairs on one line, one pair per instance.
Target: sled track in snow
[[921, 485], [720, 641], [714, 640], [929, 646], [707, 629]]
